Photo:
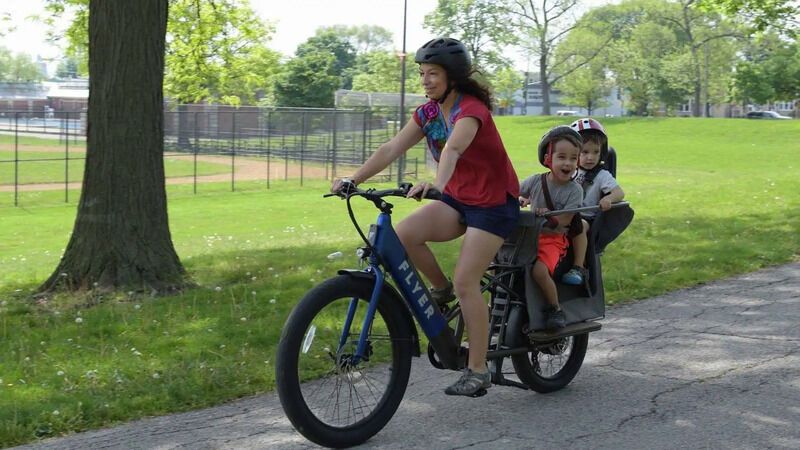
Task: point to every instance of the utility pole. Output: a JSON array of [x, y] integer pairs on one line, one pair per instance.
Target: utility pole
[[401, 163]]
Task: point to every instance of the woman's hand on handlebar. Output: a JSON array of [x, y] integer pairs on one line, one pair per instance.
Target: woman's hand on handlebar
[[343, 186], [420, 191]]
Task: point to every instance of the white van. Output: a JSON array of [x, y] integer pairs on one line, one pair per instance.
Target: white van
[[566, 113]]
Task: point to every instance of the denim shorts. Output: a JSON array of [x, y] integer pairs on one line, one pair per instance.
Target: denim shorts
[[499, 220]]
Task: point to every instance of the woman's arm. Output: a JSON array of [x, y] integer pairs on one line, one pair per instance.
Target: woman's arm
[[388, 152], [463, 133]]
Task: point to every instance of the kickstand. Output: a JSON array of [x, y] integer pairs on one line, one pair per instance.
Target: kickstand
[[496, 369]]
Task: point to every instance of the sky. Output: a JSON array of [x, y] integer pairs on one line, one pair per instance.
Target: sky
[[294, 21]]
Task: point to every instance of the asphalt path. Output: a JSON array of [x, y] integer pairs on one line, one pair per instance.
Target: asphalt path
[[713, 367]]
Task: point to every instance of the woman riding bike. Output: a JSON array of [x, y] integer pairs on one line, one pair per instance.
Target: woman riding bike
[[478, 184]]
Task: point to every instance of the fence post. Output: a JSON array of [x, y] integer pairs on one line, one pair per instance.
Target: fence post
[[285, 153], [233, 149], [333, 148], [196, 149], [66, 165], [16, 159], [364, 138], [303, 141], [269, 141]]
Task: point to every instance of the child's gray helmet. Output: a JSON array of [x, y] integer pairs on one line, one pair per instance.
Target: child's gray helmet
[[448, 53]]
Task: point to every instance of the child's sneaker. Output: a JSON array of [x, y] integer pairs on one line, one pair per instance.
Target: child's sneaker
[[575, 276], [444, 295], [554, 319], [471, 384]]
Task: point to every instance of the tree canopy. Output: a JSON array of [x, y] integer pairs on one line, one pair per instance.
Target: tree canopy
[[481, 25], [216, 51], [19, 68]]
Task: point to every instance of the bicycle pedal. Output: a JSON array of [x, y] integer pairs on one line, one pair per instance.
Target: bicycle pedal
[[479, 393]]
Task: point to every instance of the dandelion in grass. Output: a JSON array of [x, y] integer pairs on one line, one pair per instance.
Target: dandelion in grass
[[60, 373], [272, 300], [156, 375], [78, 320], [137, 306], [253, 279], [217, 288], [243, 319], [56, 412]]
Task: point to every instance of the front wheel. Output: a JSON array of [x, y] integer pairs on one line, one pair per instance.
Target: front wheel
[[332, 397], [551, 366]]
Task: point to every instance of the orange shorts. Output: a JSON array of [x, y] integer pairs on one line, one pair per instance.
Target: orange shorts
[[552, 247]]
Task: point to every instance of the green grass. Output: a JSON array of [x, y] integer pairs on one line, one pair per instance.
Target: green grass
[[712, 197]]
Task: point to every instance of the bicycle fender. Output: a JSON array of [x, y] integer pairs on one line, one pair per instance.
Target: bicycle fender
[[390, 292]]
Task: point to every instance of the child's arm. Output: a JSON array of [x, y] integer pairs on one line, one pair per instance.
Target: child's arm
[[614, 196], [523, 201]]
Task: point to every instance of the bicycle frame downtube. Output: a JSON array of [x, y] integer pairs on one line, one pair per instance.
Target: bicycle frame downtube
[[392, 254]]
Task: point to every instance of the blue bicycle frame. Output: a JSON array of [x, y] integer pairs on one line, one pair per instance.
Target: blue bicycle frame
[[387, 251]]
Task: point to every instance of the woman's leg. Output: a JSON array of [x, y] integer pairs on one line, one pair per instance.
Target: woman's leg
[[434, 222], [477, 251]]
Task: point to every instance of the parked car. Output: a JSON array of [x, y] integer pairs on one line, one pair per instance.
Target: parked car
[[765, 115], [566, 113]]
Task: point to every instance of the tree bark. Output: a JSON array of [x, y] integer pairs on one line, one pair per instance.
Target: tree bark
[[121, 236]]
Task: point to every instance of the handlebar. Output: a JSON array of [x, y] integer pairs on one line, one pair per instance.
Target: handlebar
[[376, 197], [582, 209], [375, 194]]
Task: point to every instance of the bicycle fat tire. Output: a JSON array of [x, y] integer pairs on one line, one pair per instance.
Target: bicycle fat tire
[[303, 349]]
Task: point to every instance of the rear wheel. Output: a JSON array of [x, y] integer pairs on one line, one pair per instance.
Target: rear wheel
[[552, 365], [332, 397]]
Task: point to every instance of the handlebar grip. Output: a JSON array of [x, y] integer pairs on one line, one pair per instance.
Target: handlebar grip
[[433, 194]]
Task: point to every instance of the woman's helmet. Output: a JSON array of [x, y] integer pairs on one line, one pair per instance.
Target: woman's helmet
[[448, 53], [546, 147], [589, 125]]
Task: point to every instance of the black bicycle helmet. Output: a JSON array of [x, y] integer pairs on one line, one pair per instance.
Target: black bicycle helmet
[[551, 135], [448, 53]]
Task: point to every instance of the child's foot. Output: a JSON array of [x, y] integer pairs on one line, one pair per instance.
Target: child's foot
[[443, 295], [471, 384], [554, 319], [575, 276]]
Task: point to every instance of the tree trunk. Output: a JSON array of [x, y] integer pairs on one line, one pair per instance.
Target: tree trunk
[[698, 87], [121, 236], [545, 84]]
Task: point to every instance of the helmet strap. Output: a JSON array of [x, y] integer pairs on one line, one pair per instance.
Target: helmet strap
[[548, 157]]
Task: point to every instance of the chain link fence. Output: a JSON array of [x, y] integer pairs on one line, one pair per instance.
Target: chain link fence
[[211, 143]]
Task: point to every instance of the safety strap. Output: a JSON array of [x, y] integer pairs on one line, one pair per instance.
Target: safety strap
[[546, 192]]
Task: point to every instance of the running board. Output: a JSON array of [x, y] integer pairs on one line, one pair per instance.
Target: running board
[[569, 330]]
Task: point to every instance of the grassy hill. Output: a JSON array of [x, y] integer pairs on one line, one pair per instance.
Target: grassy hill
[[713, 198]]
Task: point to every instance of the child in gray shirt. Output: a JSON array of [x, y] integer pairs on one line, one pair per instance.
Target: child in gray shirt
[[559, 150]]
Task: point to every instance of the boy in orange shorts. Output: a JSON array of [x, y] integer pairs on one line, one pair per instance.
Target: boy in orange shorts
[[559, 151]]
